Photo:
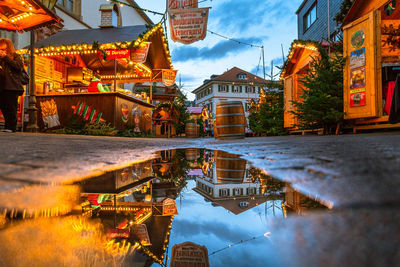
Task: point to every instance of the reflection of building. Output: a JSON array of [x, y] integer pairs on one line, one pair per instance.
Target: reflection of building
[[228, 183]]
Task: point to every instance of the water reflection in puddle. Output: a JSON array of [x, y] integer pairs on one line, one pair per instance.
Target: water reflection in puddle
[[137, 215]]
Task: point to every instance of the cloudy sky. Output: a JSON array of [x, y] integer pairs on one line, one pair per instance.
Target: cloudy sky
[[259, 22]]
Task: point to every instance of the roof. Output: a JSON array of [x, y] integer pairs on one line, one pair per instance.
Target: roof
[[89, 36], [25, 16], [361, 8], [195, 110], [231, 76], [301, 6]]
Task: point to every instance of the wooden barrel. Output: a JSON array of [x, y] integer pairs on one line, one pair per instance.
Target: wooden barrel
[[230, 120], [230, 168], [191, 130], [192, 154]]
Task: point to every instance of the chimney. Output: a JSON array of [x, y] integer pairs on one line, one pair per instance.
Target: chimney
[[109, 16]]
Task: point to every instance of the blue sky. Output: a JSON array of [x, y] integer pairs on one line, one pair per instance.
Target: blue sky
[[259, 22]]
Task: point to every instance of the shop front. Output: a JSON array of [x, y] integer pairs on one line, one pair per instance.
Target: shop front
[[90, 73], [371, 46]]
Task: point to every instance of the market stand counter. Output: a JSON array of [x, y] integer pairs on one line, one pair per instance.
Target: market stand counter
[[118, 109]]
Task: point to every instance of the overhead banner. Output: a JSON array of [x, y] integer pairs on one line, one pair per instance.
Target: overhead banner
[[168, 77], [188, 25], [139, 55], [174, 4]]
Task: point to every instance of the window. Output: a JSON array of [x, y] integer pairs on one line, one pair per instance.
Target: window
[[241, 76], [222, 88], [247, 106], [310, 17], [243, 204], [248, 89], [237, 191], [251, 191], [236, 89], [73, 6], [224, 192]]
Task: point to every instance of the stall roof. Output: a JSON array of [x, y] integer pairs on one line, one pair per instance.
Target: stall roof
[[89, 36], [25, 15]]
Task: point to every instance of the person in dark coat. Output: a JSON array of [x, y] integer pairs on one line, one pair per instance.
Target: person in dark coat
[[10, 88]]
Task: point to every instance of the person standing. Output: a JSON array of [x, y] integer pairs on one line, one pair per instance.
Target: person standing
[[10, 87]]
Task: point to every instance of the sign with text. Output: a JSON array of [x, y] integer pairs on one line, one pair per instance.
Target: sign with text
[[114, 54], [139, 55], [169, 207], [139, 231], [174, 4], [188, 25], [168, 77], [117, 233], [189, 254]]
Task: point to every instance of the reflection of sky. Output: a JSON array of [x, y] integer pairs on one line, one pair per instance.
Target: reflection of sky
[[215, 227]]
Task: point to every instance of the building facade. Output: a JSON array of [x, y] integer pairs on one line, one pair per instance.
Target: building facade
[[312, 19], [233, 85], [81, 14]]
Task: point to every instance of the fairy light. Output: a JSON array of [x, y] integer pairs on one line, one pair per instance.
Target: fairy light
[[295, 45]]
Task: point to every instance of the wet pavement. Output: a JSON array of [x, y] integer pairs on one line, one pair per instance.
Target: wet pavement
[[335, 201]]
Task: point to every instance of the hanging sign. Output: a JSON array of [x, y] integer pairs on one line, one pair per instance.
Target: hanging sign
[[188, 25], [169, 207], [115, 54], [168, 77], [174, 4], [189, 254], [357, 39], [357, 97], [357, 58], [139, 231], [139, 55]]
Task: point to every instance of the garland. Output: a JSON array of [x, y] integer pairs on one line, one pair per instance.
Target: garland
[[393, 37]]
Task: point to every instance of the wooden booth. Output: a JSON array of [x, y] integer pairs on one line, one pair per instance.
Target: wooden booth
[[297, 64], [372, 48], [70, 62], [164, 117]]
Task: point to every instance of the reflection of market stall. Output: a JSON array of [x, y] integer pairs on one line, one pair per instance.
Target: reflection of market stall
[[75, 69], [371, 46], [164, 117], [132, 217]]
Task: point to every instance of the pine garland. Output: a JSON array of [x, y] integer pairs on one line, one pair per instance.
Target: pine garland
[[344, 10]]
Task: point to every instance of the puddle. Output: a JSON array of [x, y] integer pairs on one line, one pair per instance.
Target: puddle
[[210, 202]]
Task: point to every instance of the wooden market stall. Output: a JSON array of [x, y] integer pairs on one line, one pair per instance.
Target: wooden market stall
[[164, 117], [67, 62], [27, 15], [297, 64], [372, 48]]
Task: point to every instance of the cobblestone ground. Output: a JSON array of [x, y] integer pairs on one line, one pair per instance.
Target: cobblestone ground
[[358, 176]]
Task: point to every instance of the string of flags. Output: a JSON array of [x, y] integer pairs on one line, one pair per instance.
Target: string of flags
[[87, 112]]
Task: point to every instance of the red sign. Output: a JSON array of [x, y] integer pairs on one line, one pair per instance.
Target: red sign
[[168, 77], [189, 254], [169, 207], [117, 233], [139, 55], [174, 4], [139, 231], [188, 25], [114, 54], [357, 97]]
